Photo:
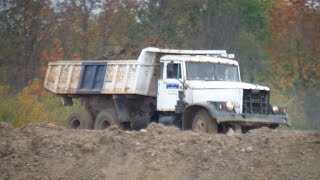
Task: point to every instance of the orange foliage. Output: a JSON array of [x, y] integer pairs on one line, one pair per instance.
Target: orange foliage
[[55, 55], [28, 103], [295, 43]]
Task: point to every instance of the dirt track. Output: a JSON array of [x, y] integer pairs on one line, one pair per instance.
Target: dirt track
[[49, 152]]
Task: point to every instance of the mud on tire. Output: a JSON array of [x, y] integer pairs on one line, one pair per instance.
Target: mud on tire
[[104, 120], [139, 122], [203, 122], [80, 119]]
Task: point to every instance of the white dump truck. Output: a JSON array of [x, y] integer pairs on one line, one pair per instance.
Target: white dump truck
[[196, 90]]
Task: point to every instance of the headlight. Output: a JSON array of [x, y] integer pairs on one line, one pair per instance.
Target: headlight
[[229, 106], [275, 109]]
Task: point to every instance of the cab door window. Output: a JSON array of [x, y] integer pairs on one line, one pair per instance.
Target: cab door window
[[173, 71]]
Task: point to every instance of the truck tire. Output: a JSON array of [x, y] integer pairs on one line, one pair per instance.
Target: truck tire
[[104, 120], [81, 119], [139, 122], [274, 126], [203, 122]]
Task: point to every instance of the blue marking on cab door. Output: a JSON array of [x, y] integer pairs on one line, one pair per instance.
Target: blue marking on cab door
[[172, 86], [92, 77]]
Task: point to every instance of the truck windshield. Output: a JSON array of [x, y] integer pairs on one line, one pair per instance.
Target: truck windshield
[[212, 71]]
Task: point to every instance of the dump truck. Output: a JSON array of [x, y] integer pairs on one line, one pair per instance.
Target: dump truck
[[198, 90]]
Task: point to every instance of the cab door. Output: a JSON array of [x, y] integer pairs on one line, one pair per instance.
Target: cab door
[[169, 83]]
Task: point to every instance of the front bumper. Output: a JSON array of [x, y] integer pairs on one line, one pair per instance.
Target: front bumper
[[253, 119]]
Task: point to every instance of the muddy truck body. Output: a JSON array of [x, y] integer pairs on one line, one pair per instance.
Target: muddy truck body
[[193, 89]]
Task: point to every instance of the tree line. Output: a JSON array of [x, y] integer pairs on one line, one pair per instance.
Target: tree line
[[276, 41]]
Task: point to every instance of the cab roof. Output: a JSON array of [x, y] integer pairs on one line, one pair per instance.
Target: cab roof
[[199, 58]]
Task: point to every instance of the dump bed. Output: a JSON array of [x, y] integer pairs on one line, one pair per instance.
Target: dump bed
[[102, 77]]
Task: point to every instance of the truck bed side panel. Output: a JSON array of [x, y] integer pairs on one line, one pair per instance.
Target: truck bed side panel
[[102, 77], [63, 78]]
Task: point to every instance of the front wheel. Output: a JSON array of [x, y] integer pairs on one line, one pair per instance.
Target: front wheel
[[274, 126], [203, 122], [80, 119]]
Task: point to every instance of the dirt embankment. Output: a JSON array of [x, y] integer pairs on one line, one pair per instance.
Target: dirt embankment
[[49, 152]]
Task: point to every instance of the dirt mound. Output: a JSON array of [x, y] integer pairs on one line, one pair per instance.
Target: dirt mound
[[40, 151]]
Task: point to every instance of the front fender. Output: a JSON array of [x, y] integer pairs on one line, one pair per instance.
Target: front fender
[[191, 110], [223, 116]]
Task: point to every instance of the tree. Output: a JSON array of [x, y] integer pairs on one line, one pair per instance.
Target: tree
[[24, 31], [74, 23], [296, 53], [113, 22]]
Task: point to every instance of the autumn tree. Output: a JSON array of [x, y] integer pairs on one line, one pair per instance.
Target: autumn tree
[[296, 54], [113, 24], [166, 23], [24, 32], [239, 27], [74, 25]]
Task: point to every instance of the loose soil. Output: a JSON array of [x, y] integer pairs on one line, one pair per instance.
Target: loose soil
[[45, 151]]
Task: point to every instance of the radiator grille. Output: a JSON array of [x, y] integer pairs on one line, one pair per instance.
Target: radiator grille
[[256, 102]]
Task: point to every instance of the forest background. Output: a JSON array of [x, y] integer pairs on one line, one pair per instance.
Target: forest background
[[275, 41]]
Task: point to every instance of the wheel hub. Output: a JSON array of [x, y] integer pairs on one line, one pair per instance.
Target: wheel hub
[[200, 126], [75, 124], [104, 124]]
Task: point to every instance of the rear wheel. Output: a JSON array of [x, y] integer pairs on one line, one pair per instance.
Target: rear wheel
[[104, 120], [139, 122], [203, 122], [81, 119]]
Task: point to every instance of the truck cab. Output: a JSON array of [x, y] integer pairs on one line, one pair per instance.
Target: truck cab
[[207, 93]]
